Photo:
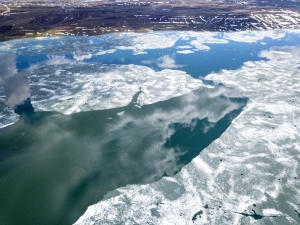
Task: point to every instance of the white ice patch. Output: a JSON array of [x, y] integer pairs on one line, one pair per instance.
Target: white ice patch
[[110, 51], [82, 57], [201, 39], [184, 47], [271, 212], [254, 36], [72, 88], [185, 52], [254, 165], [199, 46], [152, 40]]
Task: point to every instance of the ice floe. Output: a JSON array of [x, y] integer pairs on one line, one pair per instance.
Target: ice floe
[[185, 51], [69, 88], [254, 36]]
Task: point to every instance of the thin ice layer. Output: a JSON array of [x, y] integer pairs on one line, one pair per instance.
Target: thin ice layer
[[250, 175]]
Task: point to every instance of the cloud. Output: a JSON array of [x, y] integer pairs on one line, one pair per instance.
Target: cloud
[[16, 90], [15, 84], [7, 65], [167, 62], [163, 62]]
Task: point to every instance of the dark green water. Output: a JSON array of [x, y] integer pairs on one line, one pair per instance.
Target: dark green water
[[53, 166]]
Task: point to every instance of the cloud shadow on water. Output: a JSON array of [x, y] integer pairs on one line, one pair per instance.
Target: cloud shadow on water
[[53, 166]]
